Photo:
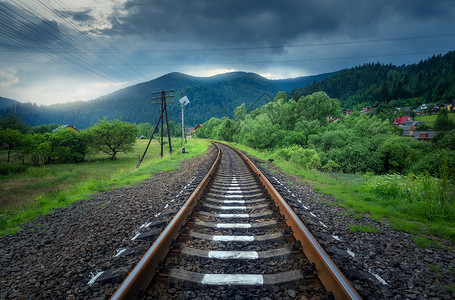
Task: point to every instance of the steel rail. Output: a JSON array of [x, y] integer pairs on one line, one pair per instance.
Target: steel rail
[[142, 274], [329, 274]]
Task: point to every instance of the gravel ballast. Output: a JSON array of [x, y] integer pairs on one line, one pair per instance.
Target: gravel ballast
[[58, 256], [85, 250], [382, 265]]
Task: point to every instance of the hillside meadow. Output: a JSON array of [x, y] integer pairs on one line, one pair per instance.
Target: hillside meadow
[[38, 190], [430, 120]]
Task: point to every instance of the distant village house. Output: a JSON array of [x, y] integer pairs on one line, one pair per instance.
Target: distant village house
[[450, 105], [402, 109], [410, 127], [366, 110], [347, 112]]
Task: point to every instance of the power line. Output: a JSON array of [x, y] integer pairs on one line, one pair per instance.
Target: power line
[[271, 47], [47, 35], [54, 41], [259, 62]]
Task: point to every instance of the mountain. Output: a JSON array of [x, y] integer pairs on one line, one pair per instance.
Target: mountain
[[6, 102], [215, 96], [299, 82], [388, 86]]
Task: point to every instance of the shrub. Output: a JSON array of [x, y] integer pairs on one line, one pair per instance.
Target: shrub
[[7, 169], [304, 158], [421, 195]]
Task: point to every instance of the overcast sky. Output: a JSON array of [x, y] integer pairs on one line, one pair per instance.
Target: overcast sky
[[55, 51]]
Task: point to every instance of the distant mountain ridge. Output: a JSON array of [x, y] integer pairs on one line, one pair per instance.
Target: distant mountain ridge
[[215, 96]]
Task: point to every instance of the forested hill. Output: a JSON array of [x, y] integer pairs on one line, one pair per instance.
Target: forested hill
[[6, 102], [215, 96], [429, 81]]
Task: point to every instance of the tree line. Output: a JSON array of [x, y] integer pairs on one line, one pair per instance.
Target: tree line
[[39, 145], [300, 130], [389, 86]]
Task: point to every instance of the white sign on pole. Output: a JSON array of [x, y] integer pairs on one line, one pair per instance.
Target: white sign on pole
[[184, 100]]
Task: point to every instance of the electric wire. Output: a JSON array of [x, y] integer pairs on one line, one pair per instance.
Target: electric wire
[[36, 32], [83, 34]]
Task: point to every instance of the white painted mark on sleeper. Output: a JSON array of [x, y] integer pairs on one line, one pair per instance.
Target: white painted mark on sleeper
[[233, 279], [233, 215], [94, 278], [135, 237], [379, 278], [233, 225], [234, 201], [232, 207], [120, 251], [233, 254], [233, 238]]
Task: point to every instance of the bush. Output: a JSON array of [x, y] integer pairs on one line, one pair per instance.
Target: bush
[[68, 146], [304, 158], [7, 169], [422, 196]]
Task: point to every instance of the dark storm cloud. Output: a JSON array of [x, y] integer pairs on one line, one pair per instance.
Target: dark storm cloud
[[27, 31], [269, 22]]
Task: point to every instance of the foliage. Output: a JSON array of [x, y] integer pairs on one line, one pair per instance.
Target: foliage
[[8, 169], [448, 141], [13, 122], [112, 137], [304, 158], [421, 195], [43, 128], [67, 146], [443, 123], [356, 144], [12, 139], [389, 86]]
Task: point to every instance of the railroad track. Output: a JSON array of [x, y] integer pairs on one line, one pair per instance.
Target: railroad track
[[235, 236]]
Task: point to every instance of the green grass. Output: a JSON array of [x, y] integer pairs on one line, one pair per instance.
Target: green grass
[[431, 119], [362, 228], [39, 190], [350, 192]]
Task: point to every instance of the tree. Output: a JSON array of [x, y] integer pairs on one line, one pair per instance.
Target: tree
[[13, 122], [443, 123], [318, 106], [112, 137], [448, 141], [145, 129], [12, 139], [68, 146]]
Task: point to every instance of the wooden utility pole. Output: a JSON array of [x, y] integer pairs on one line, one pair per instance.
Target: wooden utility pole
[[164, 114], [161, 118]]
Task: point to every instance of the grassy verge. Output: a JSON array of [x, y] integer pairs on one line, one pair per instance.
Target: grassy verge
[[431, 119], [39, 190], [420, 217]]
